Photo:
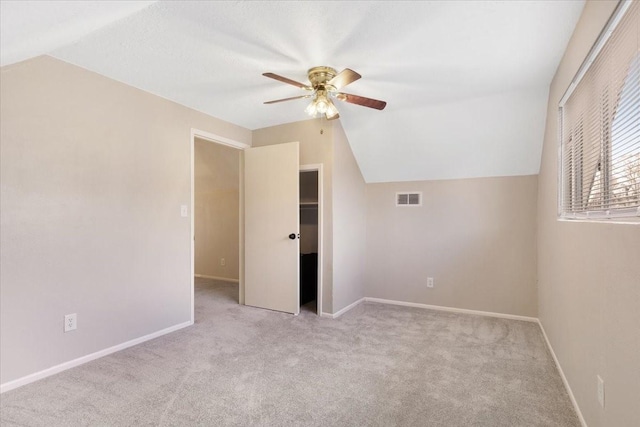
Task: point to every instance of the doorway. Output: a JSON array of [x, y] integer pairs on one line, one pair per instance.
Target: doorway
[[273, 158], [311, 238], [216, 208]]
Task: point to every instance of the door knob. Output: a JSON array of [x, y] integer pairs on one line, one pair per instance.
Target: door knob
[[292, 236]]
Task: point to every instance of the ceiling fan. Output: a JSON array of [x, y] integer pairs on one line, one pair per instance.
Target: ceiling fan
[[325, 85]]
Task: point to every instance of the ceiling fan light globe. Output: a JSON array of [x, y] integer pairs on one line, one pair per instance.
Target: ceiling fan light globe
[[331, 110], [311, 109], [322, 106]]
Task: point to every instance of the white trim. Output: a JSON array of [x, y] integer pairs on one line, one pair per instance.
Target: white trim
[[430, 307], [344, 310], [616, 17], [211, 137], [241, 231], [310, 168], [218, 139], [452, 309], [192, 224], [631, 215], [564, 378], [225, 279], [88, 358], [621, 220], [560, 171], [347, 308]]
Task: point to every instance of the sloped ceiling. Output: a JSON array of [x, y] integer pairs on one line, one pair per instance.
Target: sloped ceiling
[[31, 28], [466, 82]]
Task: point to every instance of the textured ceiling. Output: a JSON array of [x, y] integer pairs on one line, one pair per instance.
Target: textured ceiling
[[466, 82], [32, 28]]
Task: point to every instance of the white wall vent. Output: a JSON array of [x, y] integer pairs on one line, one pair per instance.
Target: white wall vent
[[413, 198]]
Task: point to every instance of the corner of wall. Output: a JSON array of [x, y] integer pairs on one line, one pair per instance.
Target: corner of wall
[[349, 223]]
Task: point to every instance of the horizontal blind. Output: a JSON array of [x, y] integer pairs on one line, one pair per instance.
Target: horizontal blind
[[600, 132]]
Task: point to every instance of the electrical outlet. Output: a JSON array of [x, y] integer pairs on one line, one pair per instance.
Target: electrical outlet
[[429, 282], [600, 390], [222, 261], [70, 322], [184, 212]]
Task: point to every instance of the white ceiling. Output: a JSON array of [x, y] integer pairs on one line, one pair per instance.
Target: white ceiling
[[31, 28], [466, 82]]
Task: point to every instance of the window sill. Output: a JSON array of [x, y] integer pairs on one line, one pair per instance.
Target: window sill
[[627, 221]]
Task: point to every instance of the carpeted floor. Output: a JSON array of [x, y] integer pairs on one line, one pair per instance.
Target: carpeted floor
[[377, 365]]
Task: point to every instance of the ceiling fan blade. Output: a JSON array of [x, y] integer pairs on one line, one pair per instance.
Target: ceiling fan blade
[[361, 100], [288, 99], [286, 80], [343, 78]]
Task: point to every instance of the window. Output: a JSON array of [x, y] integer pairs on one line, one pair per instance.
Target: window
[[600, 126]]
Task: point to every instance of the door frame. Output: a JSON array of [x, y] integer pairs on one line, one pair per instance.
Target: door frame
[[216, 139], [311, 168]]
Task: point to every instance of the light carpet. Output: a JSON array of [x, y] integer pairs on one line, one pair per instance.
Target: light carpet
[[377, 365]]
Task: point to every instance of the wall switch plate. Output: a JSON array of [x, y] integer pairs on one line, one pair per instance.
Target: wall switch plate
[[222, 261], [429, 282], [70, 322], [600, 390], [184, 212]]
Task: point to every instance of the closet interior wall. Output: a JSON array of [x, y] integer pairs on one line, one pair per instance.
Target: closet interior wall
[[308, 236]]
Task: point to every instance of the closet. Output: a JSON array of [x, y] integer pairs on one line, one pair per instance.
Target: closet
[[308, 239]]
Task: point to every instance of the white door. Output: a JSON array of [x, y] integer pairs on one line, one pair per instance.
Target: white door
[[272, 227]]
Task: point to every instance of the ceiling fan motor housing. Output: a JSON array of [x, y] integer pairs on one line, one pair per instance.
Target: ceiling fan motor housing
[[319, 76]]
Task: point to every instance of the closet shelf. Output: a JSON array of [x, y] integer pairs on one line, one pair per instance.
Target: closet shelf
[[308, 205]]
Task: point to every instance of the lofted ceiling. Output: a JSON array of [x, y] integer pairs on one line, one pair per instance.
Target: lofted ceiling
[[466, 82]]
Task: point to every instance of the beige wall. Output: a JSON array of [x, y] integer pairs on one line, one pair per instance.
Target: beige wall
[[589, 273], [217, 205], [475, 237], [315, 147], [93, 173], [349, 224]]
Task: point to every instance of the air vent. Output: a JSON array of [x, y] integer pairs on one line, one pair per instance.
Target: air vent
[[409, 199]]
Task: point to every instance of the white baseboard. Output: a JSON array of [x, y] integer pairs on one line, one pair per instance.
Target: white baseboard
[[224, 279], [343, 311], [452, 309], [429, 307], [10, 385], [564, 378]]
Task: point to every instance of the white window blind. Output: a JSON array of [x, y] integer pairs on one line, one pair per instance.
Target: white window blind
[[600, 126]]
